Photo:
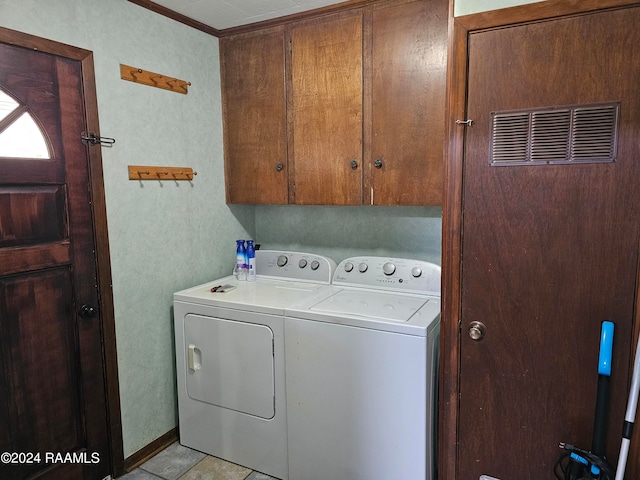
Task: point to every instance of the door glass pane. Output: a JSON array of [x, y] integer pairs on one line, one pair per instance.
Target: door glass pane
[[7, 105], [22, 138]]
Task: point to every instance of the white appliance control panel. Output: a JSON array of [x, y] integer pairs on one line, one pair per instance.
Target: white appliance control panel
[[396, 274], [294, 266]]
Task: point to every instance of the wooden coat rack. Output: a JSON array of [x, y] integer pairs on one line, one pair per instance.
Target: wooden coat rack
[[140, 172], [138, 75]]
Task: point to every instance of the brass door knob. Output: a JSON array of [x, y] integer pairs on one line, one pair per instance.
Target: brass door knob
[[477, 330]]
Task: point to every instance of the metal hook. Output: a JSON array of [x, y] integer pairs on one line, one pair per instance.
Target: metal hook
[[93, 139]]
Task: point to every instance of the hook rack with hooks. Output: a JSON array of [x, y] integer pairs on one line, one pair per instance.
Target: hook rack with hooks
[[140, 172], [152, 79]]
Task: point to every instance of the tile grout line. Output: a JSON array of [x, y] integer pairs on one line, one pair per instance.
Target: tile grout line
[[192, 467], [150, 473]]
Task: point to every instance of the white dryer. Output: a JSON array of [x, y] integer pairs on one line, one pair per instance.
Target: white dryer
[[361, 377], [230, 359]]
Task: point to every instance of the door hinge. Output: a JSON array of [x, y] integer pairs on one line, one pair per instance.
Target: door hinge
[[93, 139]]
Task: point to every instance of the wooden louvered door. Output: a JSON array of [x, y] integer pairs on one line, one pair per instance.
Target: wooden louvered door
[[549, 250], [53, 416]]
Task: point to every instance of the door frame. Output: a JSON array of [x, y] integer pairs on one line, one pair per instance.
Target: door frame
[[99, 220], [451, 328]]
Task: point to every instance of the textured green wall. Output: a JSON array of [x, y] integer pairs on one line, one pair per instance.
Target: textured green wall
[[163, 236], [341, 232]]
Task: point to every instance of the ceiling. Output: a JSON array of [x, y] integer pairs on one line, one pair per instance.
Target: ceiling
[[223, 14]]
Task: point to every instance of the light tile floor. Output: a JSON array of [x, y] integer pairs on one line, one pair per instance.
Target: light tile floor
[[181, 463]]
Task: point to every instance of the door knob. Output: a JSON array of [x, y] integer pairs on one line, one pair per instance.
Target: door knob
[[88, 311], [354, 164], [378, 163], [477, 330]]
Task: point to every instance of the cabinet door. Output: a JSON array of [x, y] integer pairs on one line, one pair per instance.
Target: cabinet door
[[326, 102], [409, 51], [254, 118]]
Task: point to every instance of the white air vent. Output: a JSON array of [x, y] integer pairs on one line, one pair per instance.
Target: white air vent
[[573, 134]]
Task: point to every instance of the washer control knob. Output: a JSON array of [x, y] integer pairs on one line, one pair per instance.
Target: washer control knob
[[348, 267], [389, 268], [315, 265], [282, 260], [363, 267], [302, 263], [416, 272]]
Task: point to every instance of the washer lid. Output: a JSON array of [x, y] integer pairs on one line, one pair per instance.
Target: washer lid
[[372, 305], [372, 309]]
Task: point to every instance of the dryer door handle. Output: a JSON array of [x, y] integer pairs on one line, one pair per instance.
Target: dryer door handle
[[194, 356]]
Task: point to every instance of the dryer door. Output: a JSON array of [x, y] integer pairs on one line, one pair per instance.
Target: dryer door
[[230, 364]]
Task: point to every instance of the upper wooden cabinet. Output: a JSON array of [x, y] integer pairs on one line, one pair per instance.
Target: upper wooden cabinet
[[408, 84], [254, 116], [364, 109], [326, 112]]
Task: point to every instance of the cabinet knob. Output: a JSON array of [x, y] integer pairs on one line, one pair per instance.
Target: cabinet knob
[[354, 164], [378, 163], [279, 167]]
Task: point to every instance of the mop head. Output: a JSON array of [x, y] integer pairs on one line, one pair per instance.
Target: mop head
[[578, 464]]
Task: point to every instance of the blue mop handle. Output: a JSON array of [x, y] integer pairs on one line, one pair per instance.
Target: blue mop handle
[[602, 401], [606, 349]]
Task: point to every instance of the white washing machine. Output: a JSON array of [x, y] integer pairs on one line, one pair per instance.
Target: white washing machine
[[361, 379], [230, 359]]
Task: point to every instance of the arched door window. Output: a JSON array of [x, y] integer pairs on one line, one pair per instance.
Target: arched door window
[[20, 135]]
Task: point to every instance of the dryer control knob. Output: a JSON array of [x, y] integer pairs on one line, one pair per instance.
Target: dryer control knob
[[348, 267], [302, 263], [416, 272], [388, 268], [363, 267], [315, 265], [282, 260]]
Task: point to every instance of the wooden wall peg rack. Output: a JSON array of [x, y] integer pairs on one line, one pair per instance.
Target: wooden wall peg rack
[[140, 172], [138, 75]]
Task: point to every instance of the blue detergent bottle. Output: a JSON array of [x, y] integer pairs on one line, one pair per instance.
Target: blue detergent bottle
[[241, 271], [251, 261]]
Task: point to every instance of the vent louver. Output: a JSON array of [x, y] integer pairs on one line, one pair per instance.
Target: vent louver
[[573, 134]]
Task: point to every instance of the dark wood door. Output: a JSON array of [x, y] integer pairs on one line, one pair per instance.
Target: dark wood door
[[255, 122], [549, 251], [326, 69], [408, 83], [52, 400]]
